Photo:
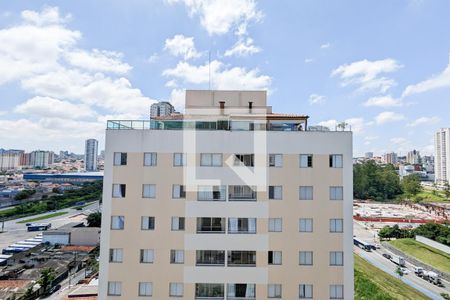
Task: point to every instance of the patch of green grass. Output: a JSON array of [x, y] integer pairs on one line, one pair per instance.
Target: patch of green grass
[[372, 283], [429, 255], [56, 214], [428, 196]]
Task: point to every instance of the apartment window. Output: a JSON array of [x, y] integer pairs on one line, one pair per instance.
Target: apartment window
[[247, 160], [306, 225], [336, 258], [145, 289], [114, 288], [119, 190], [241, 291], [275, 224], [176, 289], [210, 258], [336, 193], [147, 256], [306, 193], [115, 255], [274, 291], [274, 257], [211, 193], [178, 191], [336, 225], [210, 159], [117, 222], [241, 258], [275, 192], [177, 223], [305, 291], [275, 160], [147, 223], [150, 159], [306, 160], [241, 225], [336, 161], [209, 290], [306, 258], [210, 225], [241, 193], [120, 158], [336, 291], [176, 256], [148, 190], [179, 159]]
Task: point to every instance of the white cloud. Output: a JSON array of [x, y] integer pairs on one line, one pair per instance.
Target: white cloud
[[367, 74], [153, 58], [171, 84], [440, 80], [177, 98], [182, 46], [308, 60], [98, 60], [219, 17], [383, 101], [48, 16], [221, 76], [388, 116], [53, 108], [325, 46], [316, 99], [243, 47], [424, 121]]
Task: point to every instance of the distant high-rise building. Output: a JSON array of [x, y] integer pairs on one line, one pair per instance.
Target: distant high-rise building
[[162, 108], [90, 155], [442, 155], [369, 155], [38, 159], [390, 158], [413, 157], [10, 159]]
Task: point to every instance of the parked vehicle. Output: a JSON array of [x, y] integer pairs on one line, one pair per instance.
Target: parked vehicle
[[39, 226]]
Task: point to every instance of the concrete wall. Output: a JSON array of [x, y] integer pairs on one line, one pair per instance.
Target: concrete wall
[[433, 244], [85, 236]]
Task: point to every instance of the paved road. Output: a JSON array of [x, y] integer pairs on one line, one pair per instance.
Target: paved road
[[15, 232], [376, 258]]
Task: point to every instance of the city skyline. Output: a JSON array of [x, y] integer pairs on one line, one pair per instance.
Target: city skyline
[[73, 76]]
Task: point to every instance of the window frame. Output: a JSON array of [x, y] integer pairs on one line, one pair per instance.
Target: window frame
[[306, 225], [308, 194], [275, 227], [309, 161], [308, 258], [150, 186], [151, 223], [272, 195], [275, 160], [153, 159]]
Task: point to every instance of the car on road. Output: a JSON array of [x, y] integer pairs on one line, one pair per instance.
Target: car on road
[[386, 255], [405, 271]]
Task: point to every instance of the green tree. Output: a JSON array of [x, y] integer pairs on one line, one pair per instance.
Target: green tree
[[447, 190], [95, 219], [46, 278], [411, 185]]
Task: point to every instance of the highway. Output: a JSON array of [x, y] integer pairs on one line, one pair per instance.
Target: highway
[[376, 258], [15, 232]]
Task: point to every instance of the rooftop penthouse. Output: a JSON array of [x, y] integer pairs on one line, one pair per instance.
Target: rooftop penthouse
[[221, 110]]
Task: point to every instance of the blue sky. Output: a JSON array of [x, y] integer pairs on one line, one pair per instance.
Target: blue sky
[[68, 66]]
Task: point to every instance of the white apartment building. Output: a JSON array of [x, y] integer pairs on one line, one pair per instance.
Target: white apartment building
[[228, 201], [390, 158], [441, 158], [10, 160], [162, 108], [413, 157], [91, 155]]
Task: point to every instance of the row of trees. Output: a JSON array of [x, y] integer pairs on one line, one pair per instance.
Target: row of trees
[[24, 194], [89, 191], [436, 232]]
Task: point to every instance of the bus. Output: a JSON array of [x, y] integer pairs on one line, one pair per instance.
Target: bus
[[363, 245], [38, 226]]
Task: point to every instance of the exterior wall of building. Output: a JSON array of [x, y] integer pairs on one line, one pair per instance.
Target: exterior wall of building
[[442, 155], [87, 236], [290, 241], [91, 155], [53, 238], [9, 161]]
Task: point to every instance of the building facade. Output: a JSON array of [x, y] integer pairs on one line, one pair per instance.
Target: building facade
[[413, 157], [10, 159], [90, 155], [161, 108], [238, 203], [390, 158], [441, 158]]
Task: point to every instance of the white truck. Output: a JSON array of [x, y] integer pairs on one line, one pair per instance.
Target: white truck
[[432, 277], [398, 260]]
